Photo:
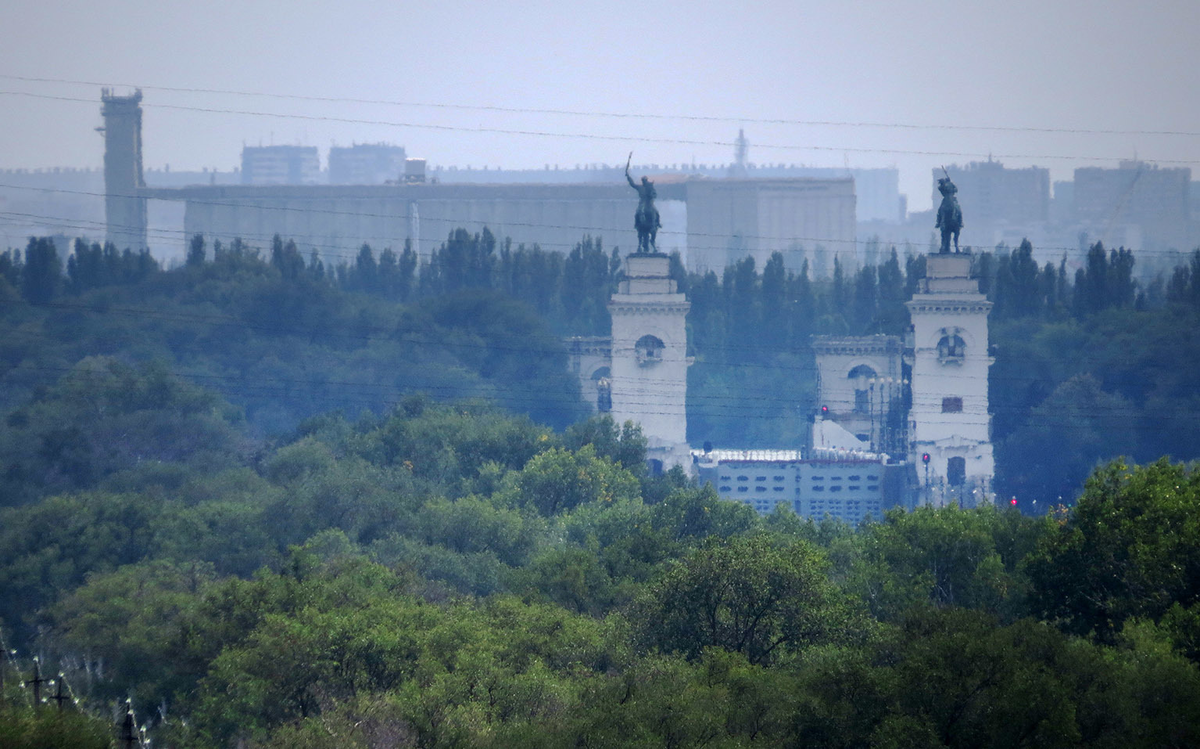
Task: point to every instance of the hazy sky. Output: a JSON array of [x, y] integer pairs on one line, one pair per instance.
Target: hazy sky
[[701, 69]]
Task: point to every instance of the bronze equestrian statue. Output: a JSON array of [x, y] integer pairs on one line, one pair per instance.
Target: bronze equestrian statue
[[949, 215], [646, 220]]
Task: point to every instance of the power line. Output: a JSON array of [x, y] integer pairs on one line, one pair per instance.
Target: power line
[[370, 334], [594, 136], [385, 335], [454, 222], [264, 387], [741, 408], [614, 115], [219, 320]]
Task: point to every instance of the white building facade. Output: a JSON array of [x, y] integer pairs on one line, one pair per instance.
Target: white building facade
[[845, 485], [649, 357], [590, 359], [949, 420], [859, 381]]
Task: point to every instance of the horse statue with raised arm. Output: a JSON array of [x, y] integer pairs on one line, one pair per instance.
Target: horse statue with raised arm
[[949, 215], [646, 220]]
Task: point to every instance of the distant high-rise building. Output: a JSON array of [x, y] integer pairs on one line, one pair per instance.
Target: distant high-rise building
[[809, 220], [366, 164], [1154, 200], [994, 197], [280, 165], [124, 207]]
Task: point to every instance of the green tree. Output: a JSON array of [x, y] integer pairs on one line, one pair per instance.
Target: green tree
[[892, 315], [51, 729], [558, 480], [365, 276], [104, 416], [130, 620], [1130, 548], [944, 557], [286, 259], [747, 595], [41, 276], [866, 300], [1076, 427], [623, 444], [52, 546], [196, 252], [472, 524]]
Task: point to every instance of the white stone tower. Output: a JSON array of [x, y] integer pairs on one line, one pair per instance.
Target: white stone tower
[[649, 357], [949, 420]]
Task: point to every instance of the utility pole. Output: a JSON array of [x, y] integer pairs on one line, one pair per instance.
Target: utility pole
[[871, 410], [129, 735], [925, 460], [37, 681], [59, 696]]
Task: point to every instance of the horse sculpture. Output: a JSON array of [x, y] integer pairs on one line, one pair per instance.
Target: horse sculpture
[[646, 220], [949, 215]]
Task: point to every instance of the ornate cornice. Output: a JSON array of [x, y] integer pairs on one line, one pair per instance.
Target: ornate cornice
[[852, 350], [949, 306], [649, 308]]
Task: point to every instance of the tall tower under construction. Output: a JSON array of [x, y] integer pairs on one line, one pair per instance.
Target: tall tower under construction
[[124, 207]]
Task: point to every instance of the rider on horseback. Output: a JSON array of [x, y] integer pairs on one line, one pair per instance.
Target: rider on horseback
[[646, 220], [949, 215]]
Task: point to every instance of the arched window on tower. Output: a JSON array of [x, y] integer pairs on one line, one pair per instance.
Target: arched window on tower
[[648, 350], [952, 349], [861, 377]]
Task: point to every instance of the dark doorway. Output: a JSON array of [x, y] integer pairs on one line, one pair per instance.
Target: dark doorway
[[956, 471]]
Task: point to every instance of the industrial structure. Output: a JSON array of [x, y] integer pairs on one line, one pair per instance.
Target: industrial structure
[[710, 222], [847, 486], [280, 165], [804, 219], [124, 203], [365, 164]]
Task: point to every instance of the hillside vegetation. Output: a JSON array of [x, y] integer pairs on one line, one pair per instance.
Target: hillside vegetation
[[276, 510]]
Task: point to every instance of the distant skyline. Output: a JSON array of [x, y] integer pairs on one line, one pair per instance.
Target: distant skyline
[[1059, 85]]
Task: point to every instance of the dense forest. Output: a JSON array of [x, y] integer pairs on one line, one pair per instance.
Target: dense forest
[[1089, 364], [275, 503]]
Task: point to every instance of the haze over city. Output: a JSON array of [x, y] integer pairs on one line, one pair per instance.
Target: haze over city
[[1059, 85], [626, 374]]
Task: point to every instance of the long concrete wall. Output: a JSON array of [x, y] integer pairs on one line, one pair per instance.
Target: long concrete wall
[[336, 221], [710, 222]]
